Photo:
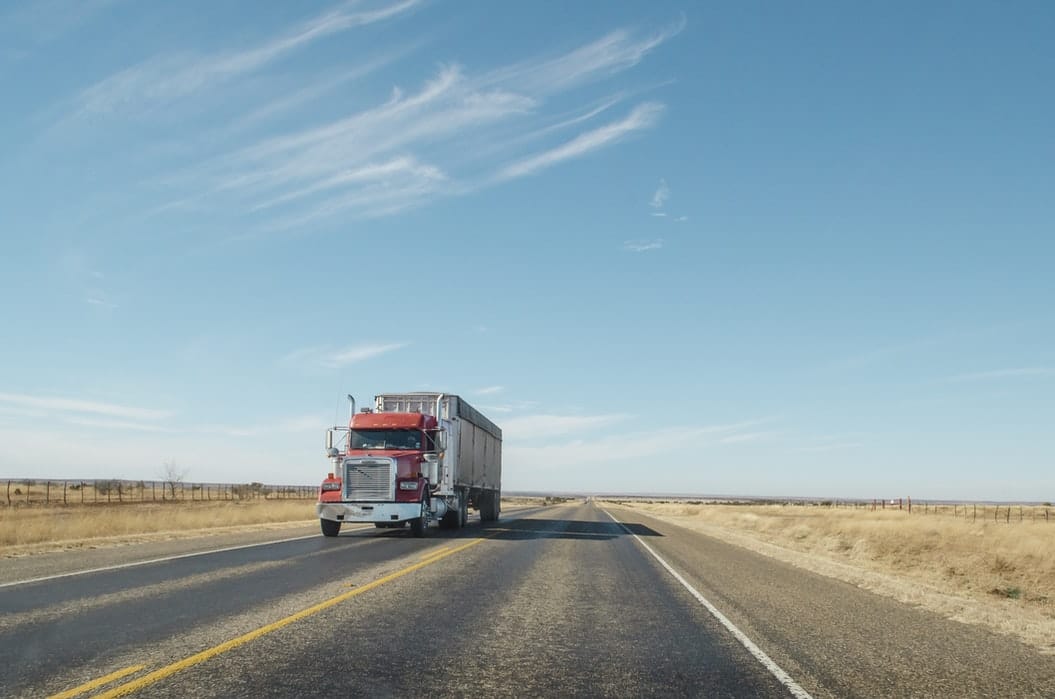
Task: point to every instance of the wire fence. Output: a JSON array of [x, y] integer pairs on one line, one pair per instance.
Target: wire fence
[[971, 511], [968, 511], [113, 491]]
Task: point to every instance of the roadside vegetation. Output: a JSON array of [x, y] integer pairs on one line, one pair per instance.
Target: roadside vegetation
[[995, 572], [56, 526], [38, 527]]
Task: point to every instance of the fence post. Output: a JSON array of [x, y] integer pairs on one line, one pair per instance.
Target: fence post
[[64, 493], [47, 492], [1009, 514], [9, 492]]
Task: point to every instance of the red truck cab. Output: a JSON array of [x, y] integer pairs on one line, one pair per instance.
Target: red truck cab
[[384, 474]]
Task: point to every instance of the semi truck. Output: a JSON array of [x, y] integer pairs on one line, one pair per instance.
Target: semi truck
[[414, 458]]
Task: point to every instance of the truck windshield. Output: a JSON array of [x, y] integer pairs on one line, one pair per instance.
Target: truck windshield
[[386, 439]]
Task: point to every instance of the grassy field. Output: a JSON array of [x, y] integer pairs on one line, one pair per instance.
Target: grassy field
[[58, 526], [27, 528], [988, 572]]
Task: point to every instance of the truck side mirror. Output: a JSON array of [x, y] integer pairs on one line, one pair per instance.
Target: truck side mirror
[[329, 440]]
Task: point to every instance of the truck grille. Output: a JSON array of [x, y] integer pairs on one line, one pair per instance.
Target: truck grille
[[370, 479]]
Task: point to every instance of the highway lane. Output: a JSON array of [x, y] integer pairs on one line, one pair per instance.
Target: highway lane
[[561, 602]]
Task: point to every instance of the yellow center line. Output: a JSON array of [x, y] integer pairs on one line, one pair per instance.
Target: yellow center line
[[88, 686], [209, 653], [432, 553]]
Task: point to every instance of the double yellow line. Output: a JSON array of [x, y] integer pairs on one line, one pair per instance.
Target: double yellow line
[[209, 653]]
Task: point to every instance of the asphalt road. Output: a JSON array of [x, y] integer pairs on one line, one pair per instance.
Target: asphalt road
[[560, 601]]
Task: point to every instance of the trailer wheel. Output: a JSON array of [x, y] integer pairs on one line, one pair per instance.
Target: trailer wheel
[[330, 527], [489, 506], [419, 525], [463, 510]]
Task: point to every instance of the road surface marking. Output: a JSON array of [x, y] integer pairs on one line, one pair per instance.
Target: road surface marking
[[209, 653], [88, 686], [784, 678], [164, 559], [432, 553]]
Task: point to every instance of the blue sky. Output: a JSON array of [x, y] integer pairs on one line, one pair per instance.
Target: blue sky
[[741, 248]]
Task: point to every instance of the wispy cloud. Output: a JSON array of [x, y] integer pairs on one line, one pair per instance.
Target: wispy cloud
[[642, 245], [404, 168], [1037, 372], [536, 426], [588, 446], [829, 446], [76, 405], [164, 79], [742, 437], [116, 424], [456, 133], [660, 197], [297, 98], [490, 390], [612, 53], [642, 117], [511, 407], [99, 301], [682, 219], [335, 358], [292, 425]]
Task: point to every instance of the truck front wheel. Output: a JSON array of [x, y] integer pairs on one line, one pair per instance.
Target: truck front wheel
[[329, 527], [419, 525]]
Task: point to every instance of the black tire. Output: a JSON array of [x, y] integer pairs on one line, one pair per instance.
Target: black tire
[[449, 520], [420, 525], [489, 506], [330, 527], [463, 510]]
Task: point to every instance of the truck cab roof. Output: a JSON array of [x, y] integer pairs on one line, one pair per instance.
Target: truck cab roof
[[398, 421]]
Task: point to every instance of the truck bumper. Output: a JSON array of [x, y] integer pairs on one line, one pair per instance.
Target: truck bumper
[[368, 511]]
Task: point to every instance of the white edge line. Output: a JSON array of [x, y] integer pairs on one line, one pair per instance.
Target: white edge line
[[164, 559], [778, 672]]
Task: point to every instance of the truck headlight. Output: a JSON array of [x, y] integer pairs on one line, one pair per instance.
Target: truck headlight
[[408, 485]]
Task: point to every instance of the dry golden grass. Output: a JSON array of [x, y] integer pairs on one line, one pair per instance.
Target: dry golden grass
[[989, 572], [22, 526]]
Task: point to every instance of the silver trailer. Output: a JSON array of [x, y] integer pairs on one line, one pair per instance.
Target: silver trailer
[[469, 468]]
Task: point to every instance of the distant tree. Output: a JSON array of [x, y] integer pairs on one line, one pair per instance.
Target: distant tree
[[173, 476]]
